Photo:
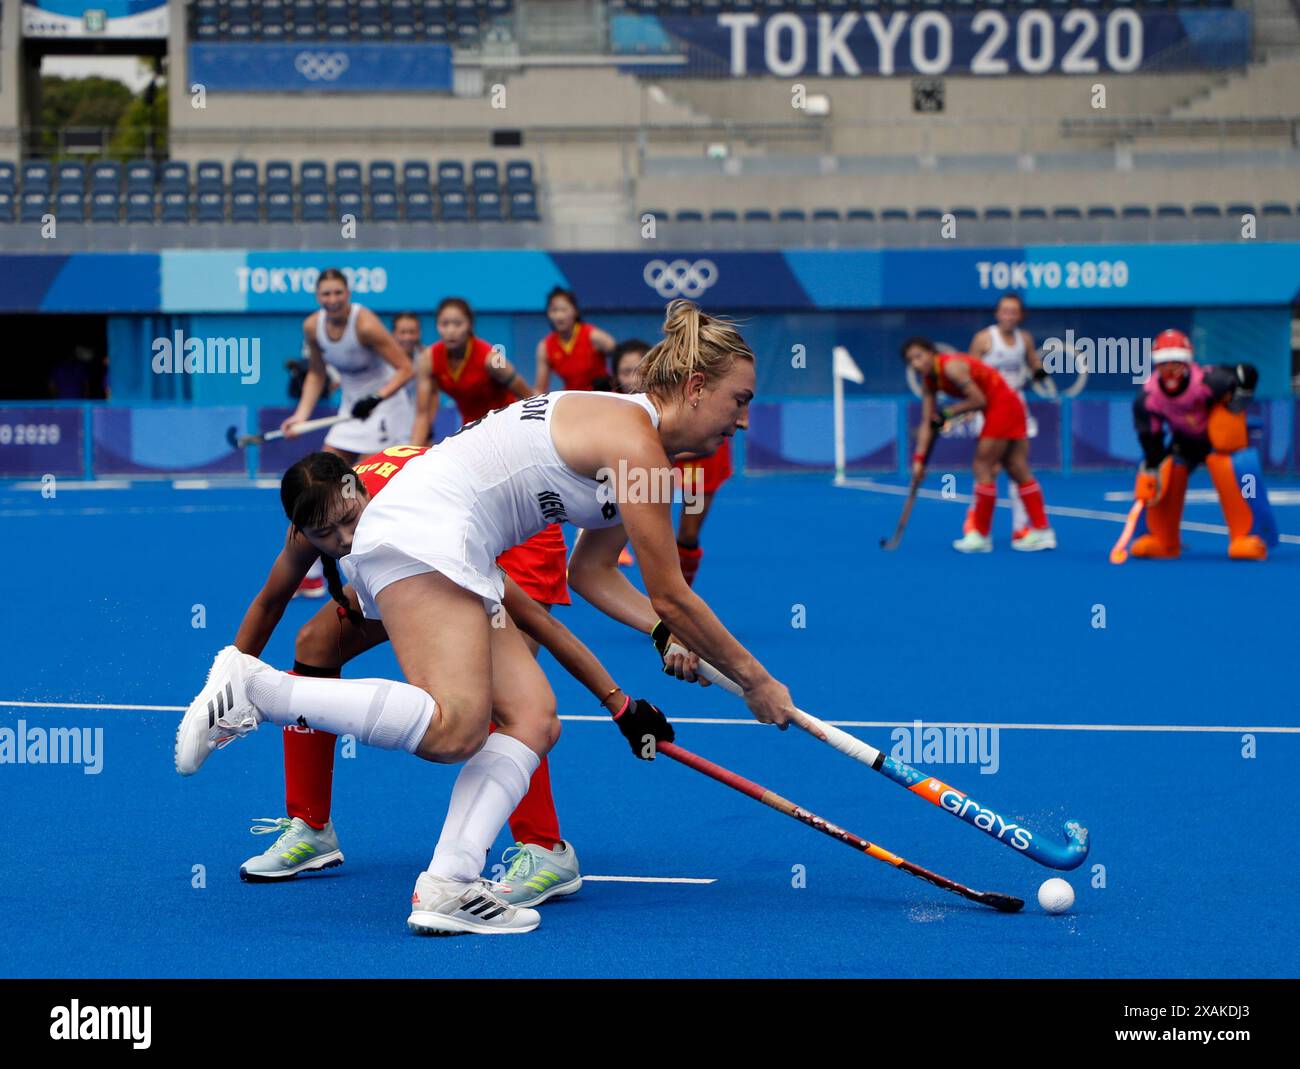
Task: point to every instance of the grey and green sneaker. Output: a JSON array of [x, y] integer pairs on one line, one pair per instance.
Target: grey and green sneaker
[[536, 874], [299, 848]]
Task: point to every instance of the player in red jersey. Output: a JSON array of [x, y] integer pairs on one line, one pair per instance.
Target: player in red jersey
[[306, 839], [1003, 441], [574, 350], [700, 478]]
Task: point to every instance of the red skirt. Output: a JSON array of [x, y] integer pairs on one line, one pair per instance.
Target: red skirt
[[540, 566]]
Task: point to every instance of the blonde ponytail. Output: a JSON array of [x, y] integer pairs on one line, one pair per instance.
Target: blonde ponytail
[[692, 342]]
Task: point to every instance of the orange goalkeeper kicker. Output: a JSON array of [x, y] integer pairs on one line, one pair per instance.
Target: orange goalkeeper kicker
[[1119, 554], [1002, 903]]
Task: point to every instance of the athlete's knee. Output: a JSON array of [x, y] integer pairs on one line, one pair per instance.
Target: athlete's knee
[[458, 729], [318, 643]]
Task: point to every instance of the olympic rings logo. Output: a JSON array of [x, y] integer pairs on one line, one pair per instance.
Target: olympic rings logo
[[320, 66], [681, 278]]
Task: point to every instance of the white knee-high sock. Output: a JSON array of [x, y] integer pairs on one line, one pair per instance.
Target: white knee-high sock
[[489, 787], [378, 712]]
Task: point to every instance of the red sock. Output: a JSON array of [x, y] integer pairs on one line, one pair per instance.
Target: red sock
[[690, 559], [986, 497], [309, 765], [1031, 496], [534, 819]]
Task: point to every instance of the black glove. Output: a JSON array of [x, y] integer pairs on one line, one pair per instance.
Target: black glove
[[367, 404], [297, 373], [640, 719], [937, 421], [1248, 377]]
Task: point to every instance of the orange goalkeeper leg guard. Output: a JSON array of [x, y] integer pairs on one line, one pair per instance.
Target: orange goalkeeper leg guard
[[1242, 544], [1161, 542]]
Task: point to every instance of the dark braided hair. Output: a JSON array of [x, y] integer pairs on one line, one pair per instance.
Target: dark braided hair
[[313, 492]]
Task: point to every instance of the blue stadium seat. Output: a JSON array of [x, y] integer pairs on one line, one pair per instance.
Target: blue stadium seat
[[435, 29], [894, 215], [245, 206], [965, 214], [1171, 211], [347, 176], [785, 215], [243, 176], [927, 215], [106, 175], [453, 206], [383, 205], [349, 202], [315, 206], [279, 176], [139, 206], [997, 213], [523, 206], [209, 176], [417, 204], [71, 175], [451, 175], [415, 175], [33, 205], [8, 177], [757, 215], [860, 215], [519, 175], [1101, 211], [485, 175], [1205, 210], [1239, 209], [1031, 211], [279, 204], [105, 206], [305, 31], [723, 215], [826, 215], [312, 176], [1066, 211], [70, 206], [6, 206], [1135, 211], [383, 176], [487, 205], [690, 215], [140, 175], [1275, 209], [38, 176], [175, 206], [210, 206], [175, 176], [207, 32]]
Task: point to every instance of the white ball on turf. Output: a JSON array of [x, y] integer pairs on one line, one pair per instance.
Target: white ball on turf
[[1056, 896]]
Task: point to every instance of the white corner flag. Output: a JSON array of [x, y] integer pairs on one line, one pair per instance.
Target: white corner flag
[[842, 367]]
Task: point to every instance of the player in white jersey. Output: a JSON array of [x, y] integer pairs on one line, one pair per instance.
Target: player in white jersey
[[373, 371], [421, 556], [1009, 348], [344, 341]]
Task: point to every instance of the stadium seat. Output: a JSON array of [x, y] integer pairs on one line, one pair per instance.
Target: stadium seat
[[210, 206], [1101, 211], [33, 205], [37, 177], [8, 177], [723, 215], [928, 215], [826, 215], [519, 175], [785, 215], [383, 205], [140, 206], [417, 204], [1239, 209], [453, 206], [1206, 211], [757, 215], [70, 206], [860, 215], [279, 176], [1171, 211], [312, 176], [485, 175], [141, 175], [175, 176], [964, 214], [487, 205], [245, 206], [894, 215], [243, 176], [1066, 211], [451, 176], [6, 206], [349, 202], [1031, 212], [1275, 209], [279, 205], [382, 177], [71, 176], [175, 206], [523, 206], [106, 175], [690, 215], [347, 177], [209, 177], [315, 206], [998, 213], [415, 175], [105, 206], [1135, 211]]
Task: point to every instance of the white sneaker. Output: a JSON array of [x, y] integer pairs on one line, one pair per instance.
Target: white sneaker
[[450, 907], [973, 542], [220, 714], [1034, 539]]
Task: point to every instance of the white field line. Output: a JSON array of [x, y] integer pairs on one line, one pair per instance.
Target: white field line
[[745, 721], [871, 486], [647, 879]]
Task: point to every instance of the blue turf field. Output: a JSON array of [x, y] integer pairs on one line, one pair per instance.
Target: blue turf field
[[1195, 840]]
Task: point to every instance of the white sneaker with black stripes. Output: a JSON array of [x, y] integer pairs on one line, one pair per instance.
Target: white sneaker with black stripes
[[450, 907], [220, 714]]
